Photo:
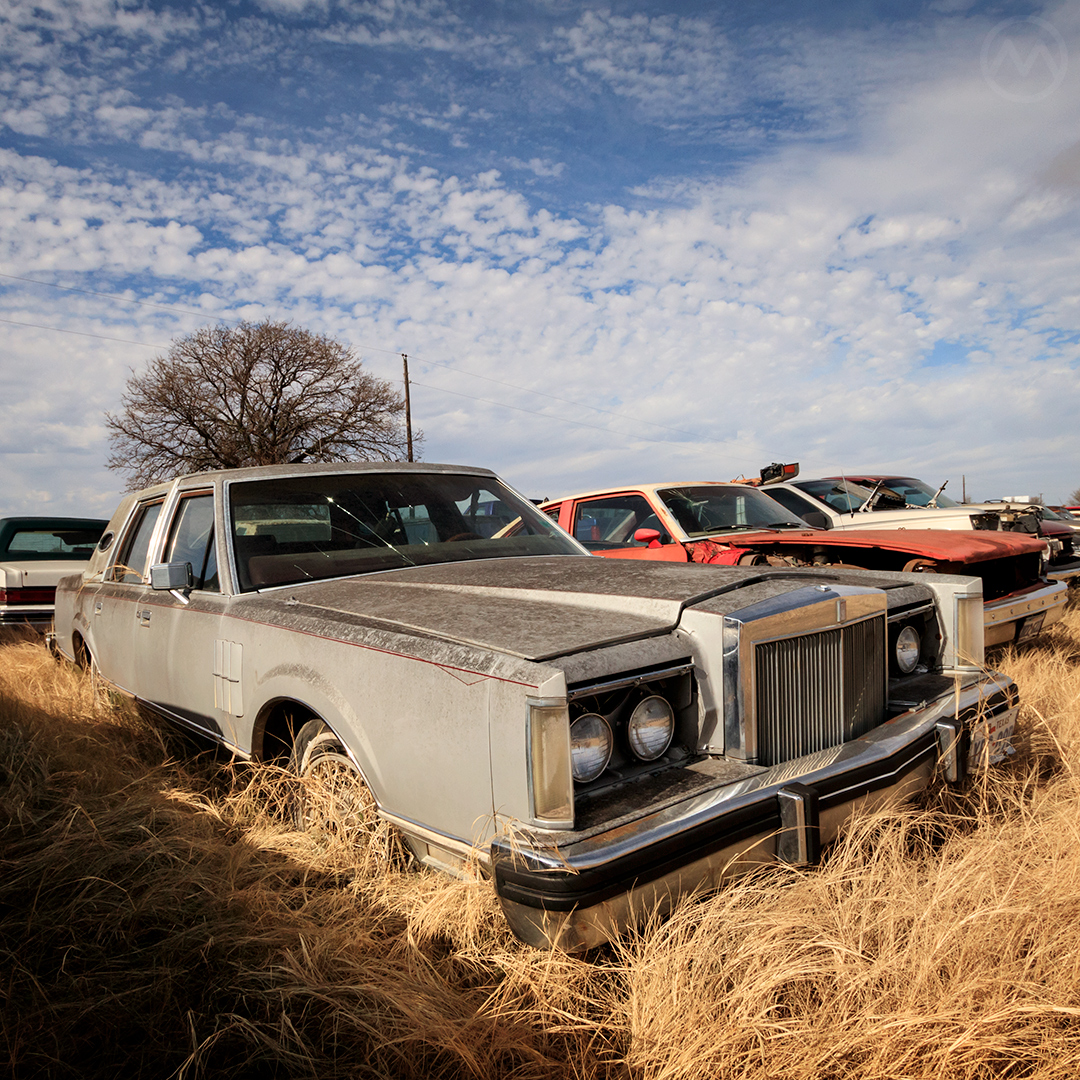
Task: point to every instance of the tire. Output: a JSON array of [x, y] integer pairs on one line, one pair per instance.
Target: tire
[[332, 797], [920, 566]]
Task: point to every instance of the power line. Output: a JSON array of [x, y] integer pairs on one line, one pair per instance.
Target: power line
[[554, 397], [533, 412], [83, 333], [113, 296], [366, 348]]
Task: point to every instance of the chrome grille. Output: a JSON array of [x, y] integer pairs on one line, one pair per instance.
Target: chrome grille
[[818, 690]]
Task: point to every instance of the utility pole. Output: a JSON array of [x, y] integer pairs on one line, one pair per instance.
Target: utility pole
[[408, 408]]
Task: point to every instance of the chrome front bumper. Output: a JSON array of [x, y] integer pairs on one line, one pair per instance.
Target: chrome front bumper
[[1022, 615], [1066, 572], [577, 893]]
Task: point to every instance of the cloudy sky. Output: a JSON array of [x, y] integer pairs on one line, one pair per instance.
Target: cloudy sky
[[619, 241]]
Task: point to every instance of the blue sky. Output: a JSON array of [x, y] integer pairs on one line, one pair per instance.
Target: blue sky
[[619, 242]]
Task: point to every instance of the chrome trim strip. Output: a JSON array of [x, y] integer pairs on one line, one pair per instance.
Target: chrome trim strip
[[908, 613], [632, 680], [1011, 608]]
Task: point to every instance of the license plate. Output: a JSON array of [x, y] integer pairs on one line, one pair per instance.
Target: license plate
[[991, 739], [1031, 626]]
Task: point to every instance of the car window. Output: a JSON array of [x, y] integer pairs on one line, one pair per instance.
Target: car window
[[705, 510], [191, 539], [292, 529], [791, 500], [613, 521], [130, 564], [55, 543], [915, 492], [842, 495]]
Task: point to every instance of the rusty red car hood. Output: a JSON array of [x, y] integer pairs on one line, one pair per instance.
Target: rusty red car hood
[[942, 545]]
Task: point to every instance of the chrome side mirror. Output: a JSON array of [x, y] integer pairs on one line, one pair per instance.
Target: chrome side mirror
[[171, 575]]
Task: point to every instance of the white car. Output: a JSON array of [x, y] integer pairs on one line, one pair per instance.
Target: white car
[[843, 504], [601, 735], [35, 553]]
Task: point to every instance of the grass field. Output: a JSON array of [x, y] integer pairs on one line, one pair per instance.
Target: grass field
[[158, 919]]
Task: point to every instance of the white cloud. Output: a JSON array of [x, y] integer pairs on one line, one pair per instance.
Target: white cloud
[[784, 311]]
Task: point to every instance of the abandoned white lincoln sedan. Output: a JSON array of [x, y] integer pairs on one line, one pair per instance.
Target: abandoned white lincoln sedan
[[602, 736]]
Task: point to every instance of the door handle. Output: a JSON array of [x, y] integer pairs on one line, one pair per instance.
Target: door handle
[[144, 617]]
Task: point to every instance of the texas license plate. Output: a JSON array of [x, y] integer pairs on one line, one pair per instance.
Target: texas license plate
[[1031, 626], [991, 739]]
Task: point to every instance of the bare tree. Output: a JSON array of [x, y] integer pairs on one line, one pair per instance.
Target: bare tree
[[256, 394], [1074, 498]]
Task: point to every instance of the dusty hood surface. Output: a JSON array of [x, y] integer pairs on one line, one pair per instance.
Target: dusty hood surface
[[533, 608]]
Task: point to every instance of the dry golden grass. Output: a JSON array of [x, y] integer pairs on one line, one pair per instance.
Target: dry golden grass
[[158, 918]]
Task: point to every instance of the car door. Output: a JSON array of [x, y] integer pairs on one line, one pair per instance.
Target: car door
[[117, 605], [607, 525], [176, 638]]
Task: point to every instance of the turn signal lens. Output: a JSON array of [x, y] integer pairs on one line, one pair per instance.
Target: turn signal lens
[[651, 727]]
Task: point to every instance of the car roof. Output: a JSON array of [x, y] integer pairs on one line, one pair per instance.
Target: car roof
[[267, 472], [628, 488], [53, 523]]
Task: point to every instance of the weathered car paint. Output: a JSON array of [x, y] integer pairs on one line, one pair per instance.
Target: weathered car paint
[[947, 550], [426, 674]]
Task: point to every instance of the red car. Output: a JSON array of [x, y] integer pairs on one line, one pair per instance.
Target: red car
[[738, 525]]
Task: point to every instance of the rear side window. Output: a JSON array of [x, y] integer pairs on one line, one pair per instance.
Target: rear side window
[[130, 565]]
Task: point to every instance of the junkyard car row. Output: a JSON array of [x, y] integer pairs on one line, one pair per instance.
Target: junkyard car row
[[601, 735], [739, 525]]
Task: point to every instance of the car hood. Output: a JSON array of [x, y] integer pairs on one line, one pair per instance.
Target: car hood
[[532, 608], [941, 545]]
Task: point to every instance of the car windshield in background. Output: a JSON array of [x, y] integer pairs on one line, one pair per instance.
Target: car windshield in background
[[309, 528], [842, 495], [915, 492], [41, 544], [702, 511]]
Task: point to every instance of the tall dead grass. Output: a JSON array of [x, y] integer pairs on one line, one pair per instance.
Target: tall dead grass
[[158, 918]]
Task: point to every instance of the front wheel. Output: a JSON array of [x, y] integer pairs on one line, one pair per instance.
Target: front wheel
[[332, 797]]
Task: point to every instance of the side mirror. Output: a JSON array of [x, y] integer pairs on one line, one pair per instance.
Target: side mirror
[[647, 536], [816, 519], [171, 575]]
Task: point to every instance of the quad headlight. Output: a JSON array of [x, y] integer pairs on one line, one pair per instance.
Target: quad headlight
[[651, 727], [591, 743], [908, 649]]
